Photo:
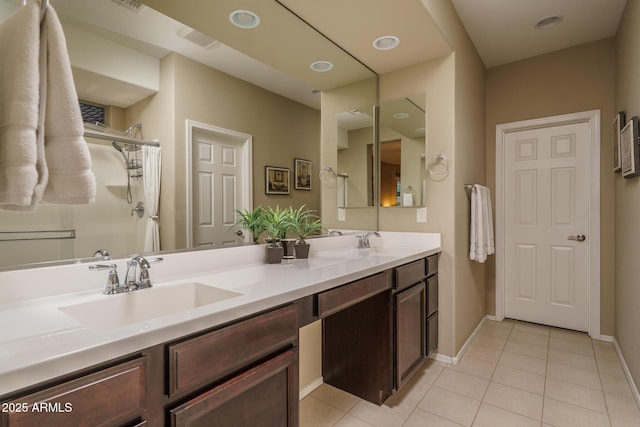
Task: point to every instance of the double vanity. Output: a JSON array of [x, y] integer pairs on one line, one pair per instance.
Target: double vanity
[[216, 337]]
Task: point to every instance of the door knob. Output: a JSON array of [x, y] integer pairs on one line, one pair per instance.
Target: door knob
[[579, 238]]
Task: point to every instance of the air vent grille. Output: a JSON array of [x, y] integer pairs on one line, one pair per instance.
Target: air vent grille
[[133, 5], [197, 37]]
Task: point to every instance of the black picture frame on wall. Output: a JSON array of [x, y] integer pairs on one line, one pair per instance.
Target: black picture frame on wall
[[302, 170], [630, 149], [616, 129], [277, 180]]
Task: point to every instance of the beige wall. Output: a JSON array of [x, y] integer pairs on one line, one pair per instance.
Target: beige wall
[[282, 130], [571, 80], [627, 198]]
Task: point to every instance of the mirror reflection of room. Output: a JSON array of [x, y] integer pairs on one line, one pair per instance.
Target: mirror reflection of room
[[402, 152]]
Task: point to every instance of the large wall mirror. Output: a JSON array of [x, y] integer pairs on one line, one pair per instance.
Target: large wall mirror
[[163, 63], [402, 152]]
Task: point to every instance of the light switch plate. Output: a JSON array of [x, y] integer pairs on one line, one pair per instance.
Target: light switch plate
[[421, 214], [342, 214]]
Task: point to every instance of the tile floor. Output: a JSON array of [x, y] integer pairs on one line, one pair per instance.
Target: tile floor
[[514, 374]]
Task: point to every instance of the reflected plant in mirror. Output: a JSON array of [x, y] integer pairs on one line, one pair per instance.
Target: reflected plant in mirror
[[402, 152]]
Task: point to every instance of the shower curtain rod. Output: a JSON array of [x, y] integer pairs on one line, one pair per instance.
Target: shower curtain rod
[[116, 138]]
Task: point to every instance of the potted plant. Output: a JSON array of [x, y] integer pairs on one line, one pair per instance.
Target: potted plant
[[276, 225], [251, 220], [304, 222]]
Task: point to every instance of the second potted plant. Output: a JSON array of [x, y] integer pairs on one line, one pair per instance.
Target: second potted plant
[[304, 222], [276, 222]]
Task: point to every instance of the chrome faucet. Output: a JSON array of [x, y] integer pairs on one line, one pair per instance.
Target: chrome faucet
[[335, 233], [113, 281], [137, 276], [363, 239]]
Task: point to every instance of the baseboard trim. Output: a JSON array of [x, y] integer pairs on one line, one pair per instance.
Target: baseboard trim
[[627, 372], [605, 338], [310, 387], [456, 359]]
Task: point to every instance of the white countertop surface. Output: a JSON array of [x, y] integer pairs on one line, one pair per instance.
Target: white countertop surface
[[40, 342]]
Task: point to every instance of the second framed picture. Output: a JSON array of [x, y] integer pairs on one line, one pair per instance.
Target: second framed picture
[[277, 180], [302, 174], [630, 149], [616, 128]]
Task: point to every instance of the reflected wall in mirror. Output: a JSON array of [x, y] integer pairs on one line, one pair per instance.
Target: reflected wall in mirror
[[356, 160], [402, 152], [148, 72]]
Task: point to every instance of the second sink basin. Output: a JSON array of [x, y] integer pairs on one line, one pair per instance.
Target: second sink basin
[[116, 311]]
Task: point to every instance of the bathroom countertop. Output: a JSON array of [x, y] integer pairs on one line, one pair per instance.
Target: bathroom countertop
[[40, 342]]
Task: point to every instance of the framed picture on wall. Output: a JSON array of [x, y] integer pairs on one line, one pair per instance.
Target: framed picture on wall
[[630, 149], [302, 170], [616, 128], [277, 180]]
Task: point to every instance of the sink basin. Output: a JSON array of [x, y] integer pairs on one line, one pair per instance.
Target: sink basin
[[115, 311]]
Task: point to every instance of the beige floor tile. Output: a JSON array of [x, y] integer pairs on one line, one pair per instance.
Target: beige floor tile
[[532, 327], [430, 371], [572, 359], [569, 335], [563, 414], [476, 367], [491, 416], [412, 392], [490, 341], [462, 383], [522, 362], [335, 397], [382, 416], [519, 379], [617, 422], [574, 346], [529, 337], [610, 367], [481, 352], [623, 408], [577, 395], [615, 385], [571, 374], [496, 330], [532, 350], [349, 420], [605, 353], [514, 400], [421, 418], [315, 413], [449, 405]]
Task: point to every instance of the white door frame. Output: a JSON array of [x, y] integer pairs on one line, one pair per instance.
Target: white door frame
[[246, 151], [593, 119]]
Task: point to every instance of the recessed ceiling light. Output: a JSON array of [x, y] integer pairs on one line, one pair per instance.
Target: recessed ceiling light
[[548, 22], [400, 115], [321, 66], [244, 19], [386, 42]]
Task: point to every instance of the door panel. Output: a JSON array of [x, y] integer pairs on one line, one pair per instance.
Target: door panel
[[546, 187]]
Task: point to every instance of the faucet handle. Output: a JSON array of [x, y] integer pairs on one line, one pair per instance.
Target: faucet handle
[[113, 281], [145, 280]]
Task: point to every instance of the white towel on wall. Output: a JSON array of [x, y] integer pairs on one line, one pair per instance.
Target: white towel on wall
[[21, 169], [43, 155], [481, 238]]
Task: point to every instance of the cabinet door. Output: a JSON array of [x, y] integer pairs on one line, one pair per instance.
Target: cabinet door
[[410, 332], [432, 332], [266, 395]]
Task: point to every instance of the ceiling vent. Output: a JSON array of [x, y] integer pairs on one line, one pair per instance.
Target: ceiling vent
[[197, 37], [133, 5]]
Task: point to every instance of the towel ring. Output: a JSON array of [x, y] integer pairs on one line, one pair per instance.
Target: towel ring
[[328, 176], [438, 159]]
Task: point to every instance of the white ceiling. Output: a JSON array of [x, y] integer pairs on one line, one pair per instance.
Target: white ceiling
[[503, 30]]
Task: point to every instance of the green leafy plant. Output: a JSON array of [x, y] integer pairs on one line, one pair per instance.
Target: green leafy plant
[[252, 220], [304, 222], [277, 224]]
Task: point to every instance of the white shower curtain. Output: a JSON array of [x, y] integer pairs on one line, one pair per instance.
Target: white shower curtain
[[151, 173]]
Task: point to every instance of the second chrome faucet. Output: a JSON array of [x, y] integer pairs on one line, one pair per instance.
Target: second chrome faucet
[[137, 276]]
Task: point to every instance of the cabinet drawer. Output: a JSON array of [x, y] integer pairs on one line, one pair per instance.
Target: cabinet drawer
[[266, 395], [432, 295], [110, 397], [207, 358], [432, 264], [409, 274], [337, 299]]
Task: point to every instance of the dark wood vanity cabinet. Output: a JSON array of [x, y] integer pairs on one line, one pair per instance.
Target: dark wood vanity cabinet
[[242, 374], [432, 303]]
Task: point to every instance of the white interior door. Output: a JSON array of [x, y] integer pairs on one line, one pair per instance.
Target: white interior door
[[218, 175], [546, 214]]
